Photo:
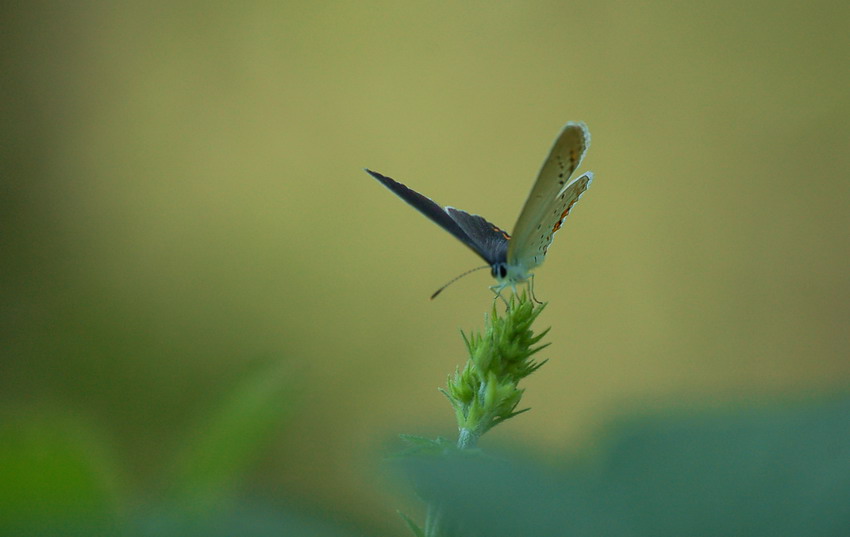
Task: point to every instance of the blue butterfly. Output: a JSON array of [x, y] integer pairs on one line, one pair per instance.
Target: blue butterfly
[[512, 258]]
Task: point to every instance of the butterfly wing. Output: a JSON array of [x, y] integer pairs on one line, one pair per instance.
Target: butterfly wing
[[490, 242], [533, 252], [472, 230], [552, 181]]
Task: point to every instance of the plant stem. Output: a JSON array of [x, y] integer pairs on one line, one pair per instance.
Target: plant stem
[[466, 439]]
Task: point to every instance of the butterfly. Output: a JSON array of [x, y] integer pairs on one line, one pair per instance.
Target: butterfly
[[512, 258]]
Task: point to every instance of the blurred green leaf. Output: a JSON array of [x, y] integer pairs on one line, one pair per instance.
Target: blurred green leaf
[[420, 445], [231, 439], [242, 520], [412, 525], [55, 474], [761, 473]]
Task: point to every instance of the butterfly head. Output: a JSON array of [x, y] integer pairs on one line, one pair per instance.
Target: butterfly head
[[508, 274]]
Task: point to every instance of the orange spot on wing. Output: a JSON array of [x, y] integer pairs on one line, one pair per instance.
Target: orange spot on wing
[[564, 214], [503, 232]]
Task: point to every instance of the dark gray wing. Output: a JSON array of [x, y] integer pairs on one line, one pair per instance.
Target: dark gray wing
[[480, 238], [490, 241]]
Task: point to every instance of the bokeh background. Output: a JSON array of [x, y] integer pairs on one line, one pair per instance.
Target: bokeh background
[[186, 226]]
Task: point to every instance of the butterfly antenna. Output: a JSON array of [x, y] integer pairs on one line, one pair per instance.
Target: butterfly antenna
[[456, 278]]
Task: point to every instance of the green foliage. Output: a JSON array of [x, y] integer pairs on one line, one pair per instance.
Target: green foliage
[[417, 531], [420, 445], [486, 393], [229, 441], [58, 477], [769, 473]]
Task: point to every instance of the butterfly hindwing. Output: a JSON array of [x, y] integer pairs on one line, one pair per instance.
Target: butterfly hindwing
[[490, 241], [439, 216], [533, 252]]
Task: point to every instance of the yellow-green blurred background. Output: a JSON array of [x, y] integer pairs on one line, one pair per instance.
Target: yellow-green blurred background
[[184, 208]]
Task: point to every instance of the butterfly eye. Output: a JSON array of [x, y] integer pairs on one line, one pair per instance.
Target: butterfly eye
[[500, 271]]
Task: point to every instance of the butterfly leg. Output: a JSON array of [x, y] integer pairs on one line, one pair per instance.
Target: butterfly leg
[[497, 291], [531, 289]]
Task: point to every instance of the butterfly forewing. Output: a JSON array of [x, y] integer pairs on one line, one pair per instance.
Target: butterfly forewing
[[533, 251], [565, 156], [481, 238]]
